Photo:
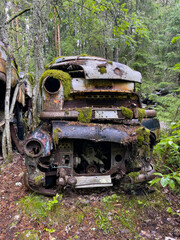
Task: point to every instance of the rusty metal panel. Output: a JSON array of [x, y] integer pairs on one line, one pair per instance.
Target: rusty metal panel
[[92, 132], [92, 68], [61, 114], [93, 181], [52, 101], [43, 137], [80, 84], [106, 114], [3, 59]]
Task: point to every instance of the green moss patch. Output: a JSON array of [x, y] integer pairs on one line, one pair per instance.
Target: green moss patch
[[143, 135], [134, 175], [65, 79], [83, 55], [55, 137], [110, 62], [53, 62], [84, 115], [102, 70], [126, 112], [38, 179], [31, 79], [141, 114], [143, 142]]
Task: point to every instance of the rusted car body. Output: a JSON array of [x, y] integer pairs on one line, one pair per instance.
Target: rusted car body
[[94, 131], [17, 131]]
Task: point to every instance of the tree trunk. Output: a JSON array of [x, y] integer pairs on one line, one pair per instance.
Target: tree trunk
[[6, 133], [7, 103], [115, 54], [40, 18], [59, 40], [55, 31]]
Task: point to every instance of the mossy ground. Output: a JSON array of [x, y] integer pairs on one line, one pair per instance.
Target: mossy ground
[[112, 214], [130, 212]]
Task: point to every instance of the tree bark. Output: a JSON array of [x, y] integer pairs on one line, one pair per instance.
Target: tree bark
[[55, 31], [59, 40], [41, 10], [6, 133], [7, 103]]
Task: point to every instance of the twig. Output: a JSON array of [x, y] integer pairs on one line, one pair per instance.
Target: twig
[[17, 15]]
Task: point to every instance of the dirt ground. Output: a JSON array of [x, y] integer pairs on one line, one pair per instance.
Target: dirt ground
[[91, 214]]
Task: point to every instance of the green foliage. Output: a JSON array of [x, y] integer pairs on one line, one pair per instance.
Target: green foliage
[[167, 179], [126, 112], [64, 77], [167, 155], [175, 39], [167, 150], [84, 115], [164, 84], [51, 204], [37, 206], [102, 221], [166, 107], [49, 230], [171, 211], [109, 200], [177, 66], [28, 234]]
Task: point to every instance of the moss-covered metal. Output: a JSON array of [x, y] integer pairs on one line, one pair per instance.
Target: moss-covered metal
[[143, 135], [141, 114], [64, 77], [134, 175], [38, 179], [143, 138], [102, 70], [126, 112], [31, 79], [53, 61], [84, 115], [83, 55], [55, 137]]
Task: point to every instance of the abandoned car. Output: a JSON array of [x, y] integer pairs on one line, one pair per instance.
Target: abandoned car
[[16, 124], [93, 130]]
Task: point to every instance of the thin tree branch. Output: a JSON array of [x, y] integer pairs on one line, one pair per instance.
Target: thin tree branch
[[17, 15]]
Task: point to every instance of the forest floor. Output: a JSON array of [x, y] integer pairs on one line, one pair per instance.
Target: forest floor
[[84, 214]]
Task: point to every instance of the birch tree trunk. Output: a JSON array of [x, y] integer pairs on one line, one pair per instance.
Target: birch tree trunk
[[6, 133], [7, 103]]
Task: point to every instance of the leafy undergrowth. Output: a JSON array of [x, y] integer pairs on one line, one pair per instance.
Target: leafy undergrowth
[[167, 107], [85, 214], [111, 215]]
